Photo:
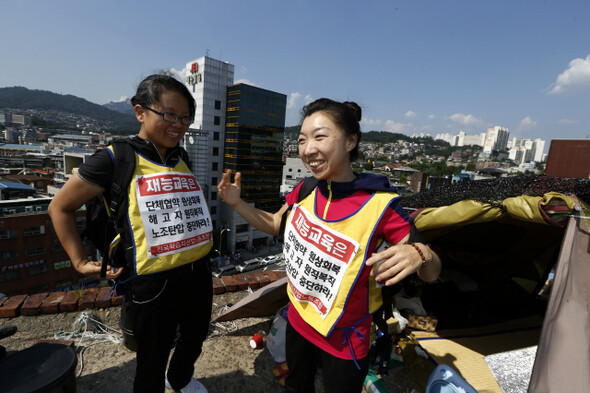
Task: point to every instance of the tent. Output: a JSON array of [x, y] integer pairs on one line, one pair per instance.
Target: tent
[[500, 241]]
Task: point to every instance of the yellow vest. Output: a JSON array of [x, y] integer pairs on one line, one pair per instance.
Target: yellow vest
[[168, 216], [325, 258]]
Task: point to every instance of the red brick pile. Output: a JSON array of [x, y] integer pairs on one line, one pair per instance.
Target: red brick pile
[[55, 302]]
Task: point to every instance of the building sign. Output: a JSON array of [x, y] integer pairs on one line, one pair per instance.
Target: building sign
[[194, 77]]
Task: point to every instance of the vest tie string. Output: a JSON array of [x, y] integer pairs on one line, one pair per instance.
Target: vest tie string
[[346, 339]]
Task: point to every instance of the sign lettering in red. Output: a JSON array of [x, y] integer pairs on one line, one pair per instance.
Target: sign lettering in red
[[323, 238], [194, 67], [167, 184], [309, 298], [177, 245]]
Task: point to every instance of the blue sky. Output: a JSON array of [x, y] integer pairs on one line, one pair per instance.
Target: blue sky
[[431, 66]]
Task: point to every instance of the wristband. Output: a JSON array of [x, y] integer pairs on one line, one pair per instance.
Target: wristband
[[419, 252]]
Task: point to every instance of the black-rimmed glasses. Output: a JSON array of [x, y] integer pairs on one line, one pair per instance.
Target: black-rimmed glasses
[[171, 117]]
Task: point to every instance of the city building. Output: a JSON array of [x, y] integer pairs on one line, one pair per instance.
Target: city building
[[539, 151], [207, 80], [31, 257], [238, 127], [569, 157], [496, 140], [9, 118], [253, 145], [468, 140], [294, 171]]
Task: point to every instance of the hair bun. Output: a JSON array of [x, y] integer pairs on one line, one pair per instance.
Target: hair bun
[[353, 106]]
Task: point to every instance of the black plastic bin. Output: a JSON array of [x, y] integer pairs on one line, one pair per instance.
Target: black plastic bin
[[47, 368]]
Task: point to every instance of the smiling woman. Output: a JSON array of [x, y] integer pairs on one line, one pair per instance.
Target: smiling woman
[[331, 236], [163, 121], [162, 264]]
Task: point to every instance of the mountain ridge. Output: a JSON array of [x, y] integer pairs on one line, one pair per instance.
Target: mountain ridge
[[18, 97]]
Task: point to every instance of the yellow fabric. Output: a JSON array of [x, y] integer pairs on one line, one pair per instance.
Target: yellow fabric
[[470, 212], [144, 264], [359, 226], [458, 214]]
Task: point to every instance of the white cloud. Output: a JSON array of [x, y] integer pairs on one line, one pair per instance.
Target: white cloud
[[179, 74], [246, 82], [371, 124], [567, 121], [393, 126], [410, 114], [574, 79], [294, 105], [293, 100], [431, 117], [466, 120], [527, 123]]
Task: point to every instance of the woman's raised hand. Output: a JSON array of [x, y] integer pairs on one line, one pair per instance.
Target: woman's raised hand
[[230, 192]]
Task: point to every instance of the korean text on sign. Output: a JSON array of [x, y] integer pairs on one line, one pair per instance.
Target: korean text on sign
[[317, 257], [173, 211]]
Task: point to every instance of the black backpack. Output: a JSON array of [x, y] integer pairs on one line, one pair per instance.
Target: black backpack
[[102, 214], [105, 218]]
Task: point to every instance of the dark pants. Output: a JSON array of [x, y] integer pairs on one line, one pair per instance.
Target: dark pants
[[303, 358], [158, 308]]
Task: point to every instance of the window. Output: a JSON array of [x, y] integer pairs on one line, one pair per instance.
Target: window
[[216, 136], [215, 166], [9, 276], [8, 234], [217, 104], [35, 251], [214, 181], [213, 196], [37, 269], [7, 255], [215, 151], [62, 265], [216, 120], [32, 231]]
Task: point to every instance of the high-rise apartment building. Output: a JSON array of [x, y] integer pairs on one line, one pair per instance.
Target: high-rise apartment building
[[207, 79], [538, 154], [526, 150], [496, 139], [254, 136], [237, 127]]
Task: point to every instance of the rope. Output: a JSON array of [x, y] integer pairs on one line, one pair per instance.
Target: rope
[[221, 328], [85, 327]]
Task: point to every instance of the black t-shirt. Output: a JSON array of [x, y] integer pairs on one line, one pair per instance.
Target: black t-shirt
[[98, 168]]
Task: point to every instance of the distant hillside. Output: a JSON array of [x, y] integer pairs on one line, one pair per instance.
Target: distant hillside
[[23, 98], [374, 136], [121, 107]]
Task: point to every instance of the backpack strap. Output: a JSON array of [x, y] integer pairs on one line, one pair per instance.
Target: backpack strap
[[124, 166], [309, 184]]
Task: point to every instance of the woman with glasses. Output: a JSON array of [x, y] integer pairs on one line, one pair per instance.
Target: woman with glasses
[[166, 238]]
